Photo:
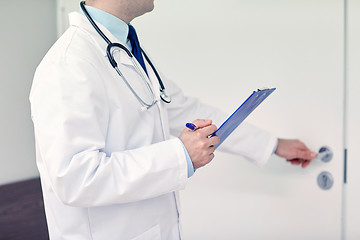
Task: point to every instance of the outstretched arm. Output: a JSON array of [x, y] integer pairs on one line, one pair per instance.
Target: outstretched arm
[[294, 151]]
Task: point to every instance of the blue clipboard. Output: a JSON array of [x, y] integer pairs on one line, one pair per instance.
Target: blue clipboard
[[253, 101]]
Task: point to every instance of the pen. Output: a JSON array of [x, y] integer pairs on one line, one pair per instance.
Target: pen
[[190, 126]]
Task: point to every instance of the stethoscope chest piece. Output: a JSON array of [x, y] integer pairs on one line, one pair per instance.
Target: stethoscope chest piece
[[118, 46], [164, 96]]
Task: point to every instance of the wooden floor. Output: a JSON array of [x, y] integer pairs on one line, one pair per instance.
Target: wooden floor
[[22, 215]]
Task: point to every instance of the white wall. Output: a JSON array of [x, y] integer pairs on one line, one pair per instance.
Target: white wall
[[62, 10], [28, 29]]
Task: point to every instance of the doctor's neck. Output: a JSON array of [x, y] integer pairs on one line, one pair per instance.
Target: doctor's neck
[[125, 10]]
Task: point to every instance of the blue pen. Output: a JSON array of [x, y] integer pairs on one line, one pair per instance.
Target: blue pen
[[190, 126]]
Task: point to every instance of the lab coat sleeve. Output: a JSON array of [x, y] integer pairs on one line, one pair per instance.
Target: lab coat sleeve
[[70, 112], [247, 140]]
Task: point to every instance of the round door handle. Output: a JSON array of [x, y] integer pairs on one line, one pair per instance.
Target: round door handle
[[325, 154], [325, 180]]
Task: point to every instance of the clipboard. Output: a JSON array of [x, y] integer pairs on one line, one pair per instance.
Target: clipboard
[[245, 109]]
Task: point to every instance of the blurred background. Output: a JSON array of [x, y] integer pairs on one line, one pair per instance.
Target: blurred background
[[219, 52]]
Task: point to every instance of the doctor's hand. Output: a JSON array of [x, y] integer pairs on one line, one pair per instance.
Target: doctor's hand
[[294, 151], [198, 144]]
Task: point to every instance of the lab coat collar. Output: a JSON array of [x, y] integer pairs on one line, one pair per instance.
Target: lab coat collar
[[76, 19], [115, 25]]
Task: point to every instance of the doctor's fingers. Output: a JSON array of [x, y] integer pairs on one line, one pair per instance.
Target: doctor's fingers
[[200, 123], [206, 131], [295, 161], [302, 151], [305, 154], [203, 161], [303, 162], [214, 140]]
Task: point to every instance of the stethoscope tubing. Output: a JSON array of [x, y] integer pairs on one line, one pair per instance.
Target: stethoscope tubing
[[163, 95]]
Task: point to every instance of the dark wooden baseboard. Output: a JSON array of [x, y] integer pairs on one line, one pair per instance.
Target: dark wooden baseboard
[[22, 215]]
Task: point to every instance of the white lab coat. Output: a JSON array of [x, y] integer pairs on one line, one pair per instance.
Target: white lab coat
[[109, 170]]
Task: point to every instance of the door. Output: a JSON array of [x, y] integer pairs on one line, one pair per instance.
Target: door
[[220, 51]]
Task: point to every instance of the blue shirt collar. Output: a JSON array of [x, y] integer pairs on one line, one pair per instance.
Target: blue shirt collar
[[115, 25]]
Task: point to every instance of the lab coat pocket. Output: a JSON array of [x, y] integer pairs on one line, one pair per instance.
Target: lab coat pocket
[[151, 234]]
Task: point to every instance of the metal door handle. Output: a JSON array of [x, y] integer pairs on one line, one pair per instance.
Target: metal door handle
[[325, 180], [325, 154]]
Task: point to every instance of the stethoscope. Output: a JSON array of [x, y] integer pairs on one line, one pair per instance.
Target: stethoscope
[[111, 48]]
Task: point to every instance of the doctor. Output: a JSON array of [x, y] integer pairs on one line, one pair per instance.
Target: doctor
[[108, 166]]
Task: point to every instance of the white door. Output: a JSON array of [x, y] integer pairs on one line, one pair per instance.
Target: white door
[[220, 51], [236, 46]]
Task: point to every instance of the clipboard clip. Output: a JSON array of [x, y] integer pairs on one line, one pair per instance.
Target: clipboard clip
[[262, 89]]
